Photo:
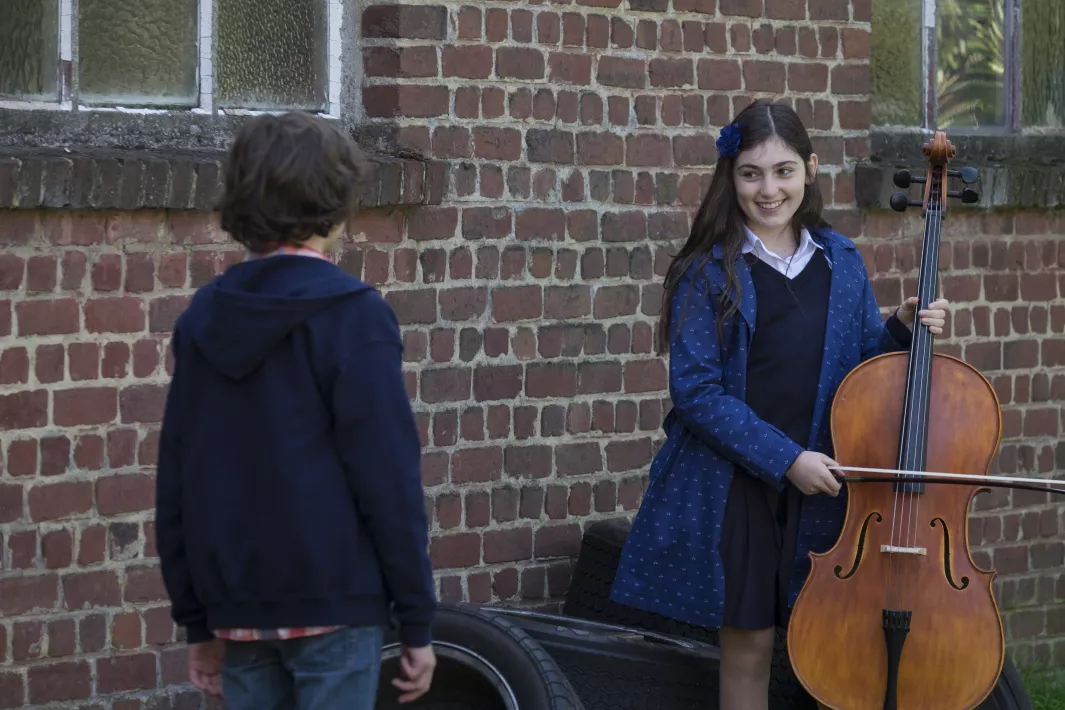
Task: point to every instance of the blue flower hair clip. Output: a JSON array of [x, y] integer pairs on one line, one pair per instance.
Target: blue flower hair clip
[[728, 143]]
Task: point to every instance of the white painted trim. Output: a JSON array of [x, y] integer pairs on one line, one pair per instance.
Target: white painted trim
[[125, 109], [35, 105], [336, 15], [66, 30], [205, 67], [929, 14]]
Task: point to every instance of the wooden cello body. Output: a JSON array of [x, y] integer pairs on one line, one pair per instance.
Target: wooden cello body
[[897, 616]]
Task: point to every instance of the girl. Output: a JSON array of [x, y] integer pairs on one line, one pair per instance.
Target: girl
[[766, 309]]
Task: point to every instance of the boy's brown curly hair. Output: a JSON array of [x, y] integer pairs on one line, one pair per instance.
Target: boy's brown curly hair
[[288, 178]]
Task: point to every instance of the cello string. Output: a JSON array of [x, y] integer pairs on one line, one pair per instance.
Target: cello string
[[896, 569], [925, 339]]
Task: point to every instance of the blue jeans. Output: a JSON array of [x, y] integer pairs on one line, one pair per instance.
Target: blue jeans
[[334, 671]]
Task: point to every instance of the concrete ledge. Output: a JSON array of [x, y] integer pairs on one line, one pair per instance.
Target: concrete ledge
[[73, 178], [1016, 171]]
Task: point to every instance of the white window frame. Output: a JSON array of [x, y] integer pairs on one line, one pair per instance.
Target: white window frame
[[204, 69]]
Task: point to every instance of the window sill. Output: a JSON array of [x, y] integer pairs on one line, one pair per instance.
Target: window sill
[[158, 161], [1016, 171], [71, 178]]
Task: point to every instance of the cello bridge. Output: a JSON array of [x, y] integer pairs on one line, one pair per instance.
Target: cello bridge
[[896, 550]]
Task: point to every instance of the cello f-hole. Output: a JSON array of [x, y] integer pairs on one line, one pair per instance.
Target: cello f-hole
[[946, 556], [861, 547]]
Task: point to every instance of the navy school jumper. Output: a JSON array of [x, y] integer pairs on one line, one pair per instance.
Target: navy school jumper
[[670, 564], [289, 488]]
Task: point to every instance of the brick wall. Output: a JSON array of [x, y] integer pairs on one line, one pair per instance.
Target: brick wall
[[577, 140]]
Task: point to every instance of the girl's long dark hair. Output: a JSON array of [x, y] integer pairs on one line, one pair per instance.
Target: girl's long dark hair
[[720, 219]]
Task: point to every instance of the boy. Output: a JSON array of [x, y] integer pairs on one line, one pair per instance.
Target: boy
[[290, 518]]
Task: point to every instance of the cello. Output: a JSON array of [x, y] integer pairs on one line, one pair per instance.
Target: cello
[[896, 615]]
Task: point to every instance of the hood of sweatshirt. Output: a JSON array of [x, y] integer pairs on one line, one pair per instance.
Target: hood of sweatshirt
[[238, 318]]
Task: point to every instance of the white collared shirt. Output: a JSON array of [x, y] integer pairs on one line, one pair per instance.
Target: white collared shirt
[[790, 267]]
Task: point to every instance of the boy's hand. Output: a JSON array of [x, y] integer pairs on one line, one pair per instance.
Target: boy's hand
[[205, 665], [935, 317], [418, 665]]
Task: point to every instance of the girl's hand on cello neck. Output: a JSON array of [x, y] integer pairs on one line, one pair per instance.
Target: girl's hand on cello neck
[[935, 317]]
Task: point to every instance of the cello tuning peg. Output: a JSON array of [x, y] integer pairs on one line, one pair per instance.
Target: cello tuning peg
[[904, 179], [968, 196], [968, 174], [900, 201]]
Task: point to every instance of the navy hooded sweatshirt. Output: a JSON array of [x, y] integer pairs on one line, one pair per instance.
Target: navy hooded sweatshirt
[[289, 487]]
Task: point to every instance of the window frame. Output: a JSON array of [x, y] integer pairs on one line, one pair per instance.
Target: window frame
[[338, 14]]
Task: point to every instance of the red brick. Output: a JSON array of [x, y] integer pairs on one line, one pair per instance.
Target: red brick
[[107, 273], [47, 317], [477, 465], [114, 315], [509, 545], [120, 673], [748, 8], [785, 9], [539, 224], [11, 502], [456, 550], [57, 549], [719, 74], [622, 72], [516, 303], [128, 493], [87, 405], [59, 500], [55, 455], [142, 403], [761, 75], [85, 590], [405, 22], [497, 382], [21, 595], [11, 270], [61, 638], [519, 63], [829, 10], [60, 681], [14, 366], [26, 640], [528, 462]]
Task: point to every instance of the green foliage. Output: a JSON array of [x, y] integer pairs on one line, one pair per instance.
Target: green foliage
[[972, 63], [1046, 687], [1043, 60], [895, 63]]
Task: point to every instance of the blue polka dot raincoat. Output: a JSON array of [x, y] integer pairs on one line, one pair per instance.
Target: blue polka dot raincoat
[[670, 564]]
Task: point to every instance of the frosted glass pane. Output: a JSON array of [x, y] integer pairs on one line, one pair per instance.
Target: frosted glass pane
[[972, 63], [1043, 63], [139, 53], [29, 49], [271, 54], [895, 63]]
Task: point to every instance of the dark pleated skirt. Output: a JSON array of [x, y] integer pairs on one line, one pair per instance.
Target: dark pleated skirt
[[758, 543]]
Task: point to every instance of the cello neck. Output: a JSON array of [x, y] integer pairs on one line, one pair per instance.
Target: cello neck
[[913, 441]]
